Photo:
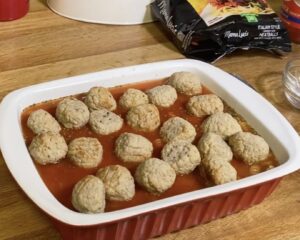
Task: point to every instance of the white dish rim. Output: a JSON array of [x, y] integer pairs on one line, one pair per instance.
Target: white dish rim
[[265, 119]]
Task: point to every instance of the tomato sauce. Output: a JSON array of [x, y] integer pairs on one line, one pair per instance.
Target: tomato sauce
[[60, 178]]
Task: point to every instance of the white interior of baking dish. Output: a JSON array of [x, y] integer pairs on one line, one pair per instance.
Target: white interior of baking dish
[[260, 114]]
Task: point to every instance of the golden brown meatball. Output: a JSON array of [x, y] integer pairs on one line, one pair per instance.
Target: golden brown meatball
[[48, 147], [72, 113], [249, 147], [177, 128], [85, 152], [130, 147], [183, 156], [40, 121], [88, 195], [186, 83], [132, 98], [222, 124], [203, 105], [144, 117], [155, 175], [162, 96], [213, 149], [224, 173], [105, 122], [118, 182], [100, 97]]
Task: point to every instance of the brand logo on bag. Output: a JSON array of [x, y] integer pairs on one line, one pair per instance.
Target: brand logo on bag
[[239, 34], [184, 38], [163, 11]]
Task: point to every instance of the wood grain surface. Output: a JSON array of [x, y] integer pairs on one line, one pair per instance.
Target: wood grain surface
[[44, 46]]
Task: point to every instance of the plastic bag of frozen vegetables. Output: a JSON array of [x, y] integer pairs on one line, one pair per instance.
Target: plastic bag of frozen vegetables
[[209, 29]]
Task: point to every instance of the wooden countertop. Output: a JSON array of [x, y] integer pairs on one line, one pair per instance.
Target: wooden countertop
[[44, 46]]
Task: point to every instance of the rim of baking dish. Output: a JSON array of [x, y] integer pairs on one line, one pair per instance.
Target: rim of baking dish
[[260, 114]]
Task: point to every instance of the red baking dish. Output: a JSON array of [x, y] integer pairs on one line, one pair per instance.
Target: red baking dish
[[165, 215], [174, 218]]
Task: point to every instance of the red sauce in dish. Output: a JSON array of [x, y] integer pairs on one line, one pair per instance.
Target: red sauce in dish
[[60, 178]]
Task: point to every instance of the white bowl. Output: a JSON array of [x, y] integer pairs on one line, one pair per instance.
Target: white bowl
[[103, 11], [260, 114]]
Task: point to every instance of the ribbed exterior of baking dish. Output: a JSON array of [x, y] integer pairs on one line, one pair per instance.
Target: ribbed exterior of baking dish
[[173, 218]]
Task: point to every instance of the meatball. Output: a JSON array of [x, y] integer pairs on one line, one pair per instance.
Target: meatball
[[224, 173], [72, 113], [203, 105], [105, 122], [131, 147], [213, 149], [133, 97], [144, 117], [40, 121], [221, 123], [249, 147], [177, 128], [118, 182], [155, 175], [48, 148], [85, 152], [88, 195], [183, 156], [162, 96], [100, 97], [186, 83], [210, 164]]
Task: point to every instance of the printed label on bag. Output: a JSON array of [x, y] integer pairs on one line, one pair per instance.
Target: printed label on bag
[[214, 11]]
